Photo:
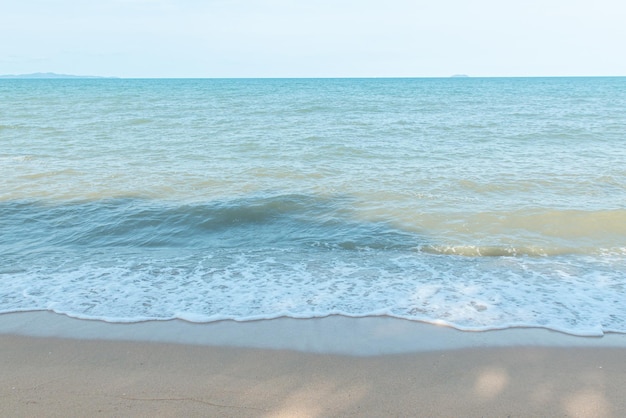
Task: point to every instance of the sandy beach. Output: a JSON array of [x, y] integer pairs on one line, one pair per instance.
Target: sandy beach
[[52, 376], [351, 245]]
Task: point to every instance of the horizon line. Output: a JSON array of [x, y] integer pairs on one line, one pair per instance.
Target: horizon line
[[52, 75]]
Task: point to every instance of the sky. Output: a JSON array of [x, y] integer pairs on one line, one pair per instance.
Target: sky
[[314, 38]]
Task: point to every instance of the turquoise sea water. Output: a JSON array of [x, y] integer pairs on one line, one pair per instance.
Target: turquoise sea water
[[478, 203]]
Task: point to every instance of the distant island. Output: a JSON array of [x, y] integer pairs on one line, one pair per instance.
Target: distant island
[[48, 75], [459, 76]]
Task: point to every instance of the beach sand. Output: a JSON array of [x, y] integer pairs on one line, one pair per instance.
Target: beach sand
[[51, 376]]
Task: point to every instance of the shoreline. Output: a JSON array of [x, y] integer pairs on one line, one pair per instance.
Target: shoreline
[[335, 334], [54, 365]]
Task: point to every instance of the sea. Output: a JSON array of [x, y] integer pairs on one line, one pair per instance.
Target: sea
[[476, 203]]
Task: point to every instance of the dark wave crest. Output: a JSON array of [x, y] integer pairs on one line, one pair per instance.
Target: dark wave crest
[[285, 220]]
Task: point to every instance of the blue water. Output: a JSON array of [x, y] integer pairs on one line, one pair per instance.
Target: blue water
[[477, 203]]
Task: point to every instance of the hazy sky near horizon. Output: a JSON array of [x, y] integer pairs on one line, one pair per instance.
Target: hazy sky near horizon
[[322, 38]]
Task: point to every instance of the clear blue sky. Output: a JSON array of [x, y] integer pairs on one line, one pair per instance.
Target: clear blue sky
[[313, 38]]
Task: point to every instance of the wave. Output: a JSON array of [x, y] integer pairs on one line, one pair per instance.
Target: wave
[[284, 220], [305, 220], [294, 255], [519, 251], [497, 251], [582, 295]]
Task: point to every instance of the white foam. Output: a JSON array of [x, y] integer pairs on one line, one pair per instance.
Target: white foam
[[572, 294]]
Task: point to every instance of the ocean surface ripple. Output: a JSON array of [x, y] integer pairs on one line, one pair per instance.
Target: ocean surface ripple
[[475, 203]]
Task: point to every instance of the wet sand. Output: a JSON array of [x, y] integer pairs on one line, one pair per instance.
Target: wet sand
[[52, 376]]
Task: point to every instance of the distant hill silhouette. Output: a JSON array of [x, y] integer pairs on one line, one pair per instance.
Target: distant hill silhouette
[[47, 75]]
